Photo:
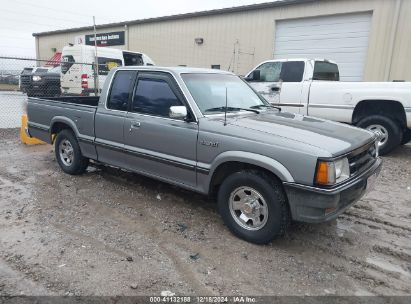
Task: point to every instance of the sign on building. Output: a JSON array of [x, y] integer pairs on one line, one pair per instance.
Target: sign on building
[[80, 39], [106, 39]]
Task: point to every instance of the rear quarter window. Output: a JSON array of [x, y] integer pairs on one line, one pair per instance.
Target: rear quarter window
[[120, 90], [326, 71]]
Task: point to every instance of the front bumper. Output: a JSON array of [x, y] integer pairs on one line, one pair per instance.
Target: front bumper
[[315, 205]]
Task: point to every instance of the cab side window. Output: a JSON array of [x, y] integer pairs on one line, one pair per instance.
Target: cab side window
[[292, 71], [270, 71], [154, 96], [120, 90]]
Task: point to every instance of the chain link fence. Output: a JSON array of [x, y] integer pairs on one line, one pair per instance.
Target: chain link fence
[[12, 99], [21, 78]]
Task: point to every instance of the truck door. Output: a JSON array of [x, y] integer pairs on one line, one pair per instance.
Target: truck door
[[281, 83], [110, 118], [158, 145]]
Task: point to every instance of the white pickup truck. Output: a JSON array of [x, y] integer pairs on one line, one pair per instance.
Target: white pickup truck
[[312, 87]]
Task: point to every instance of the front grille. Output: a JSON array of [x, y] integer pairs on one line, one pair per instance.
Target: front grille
[[25, 80], [362, 159]]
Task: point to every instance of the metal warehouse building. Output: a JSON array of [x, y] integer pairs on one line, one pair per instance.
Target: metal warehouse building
[[370, 39]]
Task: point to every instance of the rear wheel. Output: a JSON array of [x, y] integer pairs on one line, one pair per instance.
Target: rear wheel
[[389, 129], [253, 206], [68, 154]]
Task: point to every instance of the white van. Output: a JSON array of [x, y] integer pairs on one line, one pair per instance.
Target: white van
[[77, 74]]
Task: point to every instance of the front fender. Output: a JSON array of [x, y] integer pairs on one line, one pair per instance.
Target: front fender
[[248, 158]]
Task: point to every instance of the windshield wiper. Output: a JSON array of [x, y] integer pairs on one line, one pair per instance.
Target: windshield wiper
[[266, 106], [231, 109]]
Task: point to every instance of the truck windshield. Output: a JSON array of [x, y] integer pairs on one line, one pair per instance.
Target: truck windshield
[[211, 90]]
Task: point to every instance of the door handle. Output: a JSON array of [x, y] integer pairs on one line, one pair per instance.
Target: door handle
[[134, 125], [275, 89]]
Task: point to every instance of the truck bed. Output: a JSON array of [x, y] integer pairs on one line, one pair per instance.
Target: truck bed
[[47, 114]]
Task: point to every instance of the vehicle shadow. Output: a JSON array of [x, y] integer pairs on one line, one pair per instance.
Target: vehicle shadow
[[150, 185], [208, 206]]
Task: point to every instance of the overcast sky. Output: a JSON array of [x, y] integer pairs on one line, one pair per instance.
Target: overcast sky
[[21, 18]]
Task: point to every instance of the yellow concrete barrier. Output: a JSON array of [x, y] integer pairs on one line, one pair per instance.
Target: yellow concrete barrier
[[23, 136]]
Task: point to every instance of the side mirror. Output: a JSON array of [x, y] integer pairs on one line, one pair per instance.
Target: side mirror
[[178, 112], [254, 76]]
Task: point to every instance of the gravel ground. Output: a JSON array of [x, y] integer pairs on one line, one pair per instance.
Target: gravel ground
[[115, 233]]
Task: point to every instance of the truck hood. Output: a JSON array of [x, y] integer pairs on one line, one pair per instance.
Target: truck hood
[[334, 138]]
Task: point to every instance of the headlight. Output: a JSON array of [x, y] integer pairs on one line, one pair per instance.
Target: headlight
[[330, 173], [36, 78], [342, 170]]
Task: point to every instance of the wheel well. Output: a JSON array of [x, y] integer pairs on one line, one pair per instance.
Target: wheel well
[[57, 128], [226, 169], [388, 108]]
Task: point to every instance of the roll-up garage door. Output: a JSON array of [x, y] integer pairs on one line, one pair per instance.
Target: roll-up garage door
[[341, 38]]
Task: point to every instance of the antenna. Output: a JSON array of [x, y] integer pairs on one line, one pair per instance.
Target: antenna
[[226, 106], [96, 80]]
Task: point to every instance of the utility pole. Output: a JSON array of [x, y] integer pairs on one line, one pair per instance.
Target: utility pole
[[96, 84]]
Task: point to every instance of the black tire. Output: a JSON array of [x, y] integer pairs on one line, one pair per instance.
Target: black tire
[[394, 132], [79, 163], [273, 194], [406, 138]]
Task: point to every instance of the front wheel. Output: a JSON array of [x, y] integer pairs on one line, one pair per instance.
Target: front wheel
[[407, 137], [68, 154], [391, 133], [253, 206]]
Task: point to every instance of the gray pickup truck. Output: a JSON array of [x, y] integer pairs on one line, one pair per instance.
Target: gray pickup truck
[[210, 132]]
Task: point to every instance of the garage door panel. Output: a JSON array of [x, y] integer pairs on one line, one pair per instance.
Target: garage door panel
[[342, 38], [324, 50], [329, 29], [324, 43], [329, 20], [322, 36], [343, 58]]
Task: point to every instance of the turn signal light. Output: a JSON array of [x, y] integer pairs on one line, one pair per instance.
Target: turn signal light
[[325, 174]]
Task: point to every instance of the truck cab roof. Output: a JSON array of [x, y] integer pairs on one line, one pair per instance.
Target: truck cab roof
[[175, 70], [300, 59]]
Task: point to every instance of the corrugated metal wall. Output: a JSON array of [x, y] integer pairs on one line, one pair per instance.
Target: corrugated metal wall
[[251, 36]]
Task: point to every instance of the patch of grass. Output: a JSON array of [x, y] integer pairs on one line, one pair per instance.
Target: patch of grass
[[8, 87]]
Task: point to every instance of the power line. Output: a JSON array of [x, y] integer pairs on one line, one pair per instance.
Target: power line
[[16, 47], [31, 22], [59, 10], [17, 38], [43, 16], [11, 29]]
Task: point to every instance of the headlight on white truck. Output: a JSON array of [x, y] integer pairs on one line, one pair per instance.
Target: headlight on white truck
[[330, 173], [36, 78]]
